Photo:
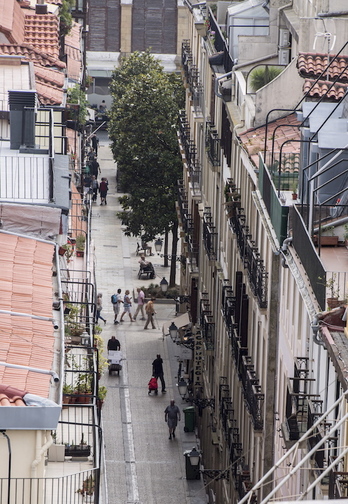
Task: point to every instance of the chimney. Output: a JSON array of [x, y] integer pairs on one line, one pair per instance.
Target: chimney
[[40, 7], [22, 118]]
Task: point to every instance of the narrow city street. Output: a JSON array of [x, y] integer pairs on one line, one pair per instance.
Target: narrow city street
[[142, 464]]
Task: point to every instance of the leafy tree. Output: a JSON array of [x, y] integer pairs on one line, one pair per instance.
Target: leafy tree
[[143, 130], [263, 75], [66, 20]]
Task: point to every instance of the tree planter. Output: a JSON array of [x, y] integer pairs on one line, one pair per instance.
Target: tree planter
[[331, 241], [77, 451], [80, 253]]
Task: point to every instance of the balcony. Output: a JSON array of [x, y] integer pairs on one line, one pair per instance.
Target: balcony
[[192, 78], [207, 324], [251, 258], [252, 392], [212, 144], [210, 236], [228, 305]]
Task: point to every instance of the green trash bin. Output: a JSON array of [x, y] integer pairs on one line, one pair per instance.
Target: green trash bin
[[189, 413]]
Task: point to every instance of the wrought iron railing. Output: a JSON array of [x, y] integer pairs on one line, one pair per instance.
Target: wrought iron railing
[[192, 77], [251, 258], [228, 304], [252, 392], [78, 487], [210, 236], [207, 323], [212, 144]]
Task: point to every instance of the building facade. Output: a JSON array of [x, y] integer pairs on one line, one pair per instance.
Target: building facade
[[263, 181]]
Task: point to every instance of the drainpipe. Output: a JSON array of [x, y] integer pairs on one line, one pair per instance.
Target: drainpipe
[[40, 450], [217, 79], [315, 328], [255, 61], [332, 14], [284, 249]]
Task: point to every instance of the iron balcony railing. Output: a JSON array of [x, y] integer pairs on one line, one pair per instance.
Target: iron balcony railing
[[78, 487], [207, 323], [192, 77], [212, 144], [243, 483], [228, 305], [195, 171], [252, 392], [238, 351], [210, 236], [251, 258]]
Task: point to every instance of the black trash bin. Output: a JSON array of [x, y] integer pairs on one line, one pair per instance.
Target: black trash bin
[[189, 413], [192, 472]]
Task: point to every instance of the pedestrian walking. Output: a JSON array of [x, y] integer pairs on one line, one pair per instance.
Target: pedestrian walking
[[114, 344], [150, 312], [127, 304], [116, 300], [172, 416], [99, 308], [95, 187], [157, 371], [141, 298], [103, 190]]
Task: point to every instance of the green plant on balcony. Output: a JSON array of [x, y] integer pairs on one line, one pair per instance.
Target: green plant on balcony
[[88, 486], [80, 244]]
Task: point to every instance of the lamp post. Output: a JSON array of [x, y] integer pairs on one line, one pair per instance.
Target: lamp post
[[193, 457], [173, 332], [182, 387], [158, 245], [164, 285]]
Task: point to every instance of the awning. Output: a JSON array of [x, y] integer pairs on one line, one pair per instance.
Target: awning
[[180, 321]]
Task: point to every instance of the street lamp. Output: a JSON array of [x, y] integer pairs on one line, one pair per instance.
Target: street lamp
[[164, 285], [158, 245], [194, 457], [182, 387], [173, 332]]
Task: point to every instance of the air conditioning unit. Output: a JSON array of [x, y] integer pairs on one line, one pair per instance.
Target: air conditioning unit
[[284, 56], [284, 37]]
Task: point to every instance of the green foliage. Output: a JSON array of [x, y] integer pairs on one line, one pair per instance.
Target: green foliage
[[261, 76], [77, 96], [142, 128], [65, 17]]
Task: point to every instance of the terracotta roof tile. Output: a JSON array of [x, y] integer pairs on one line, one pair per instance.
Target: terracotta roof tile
[[42, 33], [285, 129], [72, 49], [324, 88], [12, 21], [26, 287], [313, 64], [30, 53]]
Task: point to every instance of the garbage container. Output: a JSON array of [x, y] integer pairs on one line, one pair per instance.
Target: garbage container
[[189, 413], [192, 472]]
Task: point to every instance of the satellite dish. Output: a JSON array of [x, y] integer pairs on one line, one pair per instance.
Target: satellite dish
[[325, 35]]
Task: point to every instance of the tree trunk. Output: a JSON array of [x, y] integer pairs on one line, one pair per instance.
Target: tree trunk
[[174, 252], [165, 252]]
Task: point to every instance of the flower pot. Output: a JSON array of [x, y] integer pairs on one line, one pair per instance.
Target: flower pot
[[80, 253], [77, 451], [333, 303]]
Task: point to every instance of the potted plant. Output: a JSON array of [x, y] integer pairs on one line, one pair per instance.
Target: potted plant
[[80, 450], [80, 245], [102, 391], [334, 289], [67, 391], [294, 191], [329, 239], [345, 236], [87, 486]]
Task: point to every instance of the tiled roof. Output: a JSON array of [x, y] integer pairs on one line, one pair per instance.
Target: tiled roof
[[313, 64], [26, 287], [10, 396], [42, 33], [72, 49], [30, 53], [321, 88], [12, 21], [49, 85], [253, 140]]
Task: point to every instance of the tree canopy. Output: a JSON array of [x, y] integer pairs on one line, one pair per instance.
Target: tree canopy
[[143, 130]]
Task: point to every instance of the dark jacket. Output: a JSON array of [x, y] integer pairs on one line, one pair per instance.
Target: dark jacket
[[157, 366]]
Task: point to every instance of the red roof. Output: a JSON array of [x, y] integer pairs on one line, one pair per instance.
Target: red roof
[[30, 53], [42, 33], [26, 288], [12, 21], [285, 129]]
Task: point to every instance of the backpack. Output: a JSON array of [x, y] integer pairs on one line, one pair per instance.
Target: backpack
[[114, 298]]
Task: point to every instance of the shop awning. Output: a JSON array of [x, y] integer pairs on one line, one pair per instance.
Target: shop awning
[[180, 321]]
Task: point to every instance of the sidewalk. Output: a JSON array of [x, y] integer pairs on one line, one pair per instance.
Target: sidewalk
[[142, 465]]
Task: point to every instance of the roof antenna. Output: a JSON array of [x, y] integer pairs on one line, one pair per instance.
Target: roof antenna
[[325, 28]]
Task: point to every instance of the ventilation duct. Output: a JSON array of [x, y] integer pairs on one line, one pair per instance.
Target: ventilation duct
[[22, 119]]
